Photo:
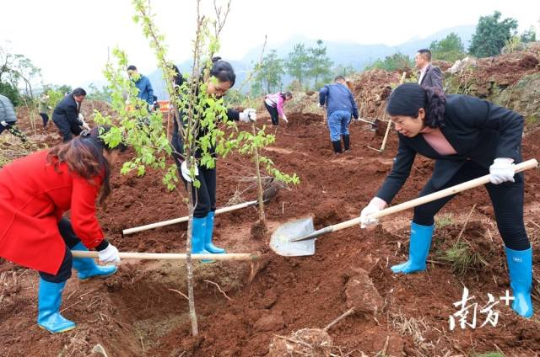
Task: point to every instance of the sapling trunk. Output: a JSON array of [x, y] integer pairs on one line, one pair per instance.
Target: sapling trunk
[[256, 158], [189, 265], [262, 219]]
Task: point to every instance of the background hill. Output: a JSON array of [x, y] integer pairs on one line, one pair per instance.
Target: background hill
[[341, 53]]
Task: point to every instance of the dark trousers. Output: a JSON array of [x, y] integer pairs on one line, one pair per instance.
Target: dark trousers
[[12, 128], [273, 113], [204, 197], [71, 240], [67, 128], [45, 118], [507, 200]]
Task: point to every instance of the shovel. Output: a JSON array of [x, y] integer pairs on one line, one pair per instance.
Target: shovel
[[297, 238], [268, 194]]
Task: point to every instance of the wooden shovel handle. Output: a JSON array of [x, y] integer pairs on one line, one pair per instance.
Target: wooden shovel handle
[[529, 164], [383, 146], [170, 256], [184, 219]]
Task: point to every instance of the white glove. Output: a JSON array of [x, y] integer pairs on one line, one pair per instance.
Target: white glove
[[285, 119], [248, 115], [109, 255], [501, 171], [185, 171], [4, 123], [374, 206]]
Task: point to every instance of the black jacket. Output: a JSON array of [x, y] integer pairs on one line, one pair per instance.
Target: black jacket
[[178, 143], [478, 130], [433, 78], [67, 110]]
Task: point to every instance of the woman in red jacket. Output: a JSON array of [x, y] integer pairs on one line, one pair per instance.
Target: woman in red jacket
[[35, 192]]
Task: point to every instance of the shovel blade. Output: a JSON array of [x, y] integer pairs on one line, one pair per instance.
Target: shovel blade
[[280, 241]]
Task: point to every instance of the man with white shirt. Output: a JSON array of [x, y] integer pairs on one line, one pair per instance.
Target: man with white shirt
[[430, 76]]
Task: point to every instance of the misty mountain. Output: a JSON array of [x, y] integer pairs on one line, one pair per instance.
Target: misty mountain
[[341, 53]]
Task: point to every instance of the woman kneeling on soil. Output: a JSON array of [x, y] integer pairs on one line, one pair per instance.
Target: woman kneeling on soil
[[467, 138], [222, 78], [35, 192]]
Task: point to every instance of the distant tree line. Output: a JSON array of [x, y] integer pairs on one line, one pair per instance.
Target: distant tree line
[[310, 68], [491, 36]]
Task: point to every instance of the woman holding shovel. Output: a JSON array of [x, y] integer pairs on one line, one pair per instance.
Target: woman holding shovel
[[35, 192], [221, 79], [467, 138]]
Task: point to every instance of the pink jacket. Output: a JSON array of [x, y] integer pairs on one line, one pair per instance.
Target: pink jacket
[[276, 100]]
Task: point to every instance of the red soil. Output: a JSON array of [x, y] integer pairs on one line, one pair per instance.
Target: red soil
[[139, 311]]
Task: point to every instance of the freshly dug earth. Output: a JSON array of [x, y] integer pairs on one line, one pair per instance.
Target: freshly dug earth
[[242, 308]]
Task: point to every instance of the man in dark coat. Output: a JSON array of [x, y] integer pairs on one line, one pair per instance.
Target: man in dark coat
[[429, 76], [67, 115]]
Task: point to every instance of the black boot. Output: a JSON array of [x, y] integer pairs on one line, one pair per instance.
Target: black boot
[[337, 146], [346, 142]]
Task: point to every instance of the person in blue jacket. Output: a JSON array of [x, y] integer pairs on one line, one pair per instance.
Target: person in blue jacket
[[468, 138], [340, 106], [143, 84]]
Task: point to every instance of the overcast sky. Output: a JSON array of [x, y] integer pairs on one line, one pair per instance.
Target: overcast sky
[[69, 40]]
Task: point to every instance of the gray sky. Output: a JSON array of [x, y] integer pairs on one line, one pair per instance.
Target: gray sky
[[69, 40]]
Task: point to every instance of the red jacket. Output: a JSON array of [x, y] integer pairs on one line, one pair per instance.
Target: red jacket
[[33, 198]]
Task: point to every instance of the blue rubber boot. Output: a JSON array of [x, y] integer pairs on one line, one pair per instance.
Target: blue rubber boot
[[87, 267], [208, 245], [49, 301], [520, 268], [418, 250], [198, 237]]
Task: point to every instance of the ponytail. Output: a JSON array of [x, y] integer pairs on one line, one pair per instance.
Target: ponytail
[[435, 106]]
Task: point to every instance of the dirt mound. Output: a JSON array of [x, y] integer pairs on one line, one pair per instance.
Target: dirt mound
[[371, 89], [498, 79], [301, 120]]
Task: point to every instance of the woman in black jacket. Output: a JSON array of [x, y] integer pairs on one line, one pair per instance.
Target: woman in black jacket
[[222, 78], [467, 138]]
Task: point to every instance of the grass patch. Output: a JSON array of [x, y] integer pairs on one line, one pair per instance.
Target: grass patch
[[444, 221], [462, 258]]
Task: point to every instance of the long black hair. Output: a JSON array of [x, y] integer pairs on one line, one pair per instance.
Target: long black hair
[[408, 98], [178, 78], [286, 95]]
